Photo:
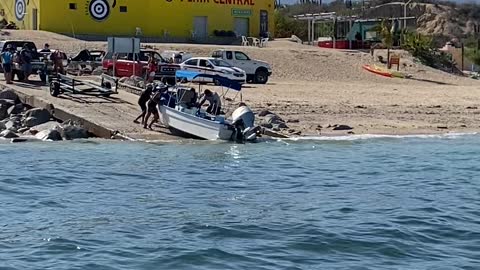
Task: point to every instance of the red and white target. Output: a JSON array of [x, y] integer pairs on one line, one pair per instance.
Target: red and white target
[[99, 9], [20, 9]]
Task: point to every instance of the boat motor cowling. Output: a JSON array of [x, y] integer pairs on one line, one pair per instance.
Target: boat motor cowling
[[244, 121]]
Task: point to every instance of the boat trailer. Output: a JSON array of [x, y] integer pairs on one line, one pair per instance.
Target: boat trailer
[[60, 84]]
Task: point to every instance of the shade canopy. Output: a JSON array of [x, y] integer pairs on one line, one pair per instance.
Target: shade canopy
[[221, 81]]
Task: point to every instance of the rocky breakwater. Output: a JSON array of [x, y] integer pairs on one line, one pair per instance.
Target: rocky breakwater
[[20, 123]]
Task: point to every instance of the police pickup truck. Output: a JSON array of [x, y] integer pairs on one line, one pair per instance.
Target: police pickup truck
[[257, 71]]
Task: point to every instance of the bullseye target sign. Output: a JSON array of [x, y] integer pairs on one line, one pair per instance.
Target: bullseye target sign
[[20, 9], [99, 9]]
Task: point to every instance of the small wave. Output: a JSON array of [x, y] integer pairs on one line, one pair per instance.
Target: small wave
[[380, 136]]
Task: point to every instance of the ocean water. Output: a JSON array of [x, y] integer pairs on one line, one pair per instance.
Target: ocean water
[[338, 203]]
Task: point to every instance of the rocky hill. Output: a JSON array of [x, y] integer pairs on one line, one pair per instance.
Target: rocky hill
[[441, 20]]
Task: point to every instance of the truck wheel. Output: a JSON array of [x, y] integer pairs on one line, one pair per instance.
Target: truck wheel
[[110, 72], [54, 89], [261, 76], [107, 85]]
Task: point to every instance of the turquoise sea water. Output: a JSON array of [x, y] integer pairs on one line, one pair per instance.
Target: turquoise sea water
[[344, 203]]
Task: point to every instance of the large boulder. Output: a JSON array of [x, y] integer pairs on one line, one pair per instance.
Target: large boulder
[[5, 104], [15, 109], [49, 135], [47, 126], [72, 132], [8, 134], [42, 115], [9, 94], [12, 125], [33, 121]]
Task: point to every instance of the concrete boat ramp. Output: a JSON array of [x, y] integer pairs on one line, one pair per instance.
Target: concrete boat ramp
[[110, 117]]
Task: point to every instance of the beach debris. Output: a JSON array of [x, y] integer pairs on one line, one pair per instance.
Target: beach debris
[[8, 134], [472, 108], [293, 121], [264, 113], [266, 125], [442, 127], [273, 119], [342, 127], [360, 107], [272, 134], [280, 125]]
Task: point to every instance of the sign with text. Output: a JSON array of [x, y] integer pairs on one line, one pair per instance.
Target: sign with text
[[123, 45], [241, 12]]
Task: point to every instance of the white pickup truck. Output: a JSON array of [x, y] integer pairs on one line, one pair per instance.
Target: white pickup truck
[[257, 71]]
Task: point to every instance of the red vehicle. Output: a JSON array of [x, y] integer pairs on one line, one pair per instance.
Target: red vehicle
[[125, 65]]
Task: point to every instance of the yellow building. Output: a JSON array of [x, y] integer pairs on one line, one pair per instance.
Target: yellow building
[[187, 19]]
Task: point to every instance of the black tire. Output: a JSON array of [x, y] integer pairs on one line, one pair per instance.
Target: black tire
[[110, 72], [107, 85], [216, 82], [54, 89], [261, 76]]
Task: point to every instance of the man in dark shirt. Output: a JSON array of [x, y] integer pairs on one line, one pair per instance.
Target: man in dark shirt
[[26, 58], [142, 102]]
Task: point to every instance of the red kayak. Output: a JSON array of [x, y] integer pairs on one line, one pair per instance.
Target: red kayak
[[377, 71]]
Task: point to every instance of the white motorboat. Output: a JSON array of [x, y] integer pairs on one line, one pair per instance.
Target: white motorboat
[[198, 123]]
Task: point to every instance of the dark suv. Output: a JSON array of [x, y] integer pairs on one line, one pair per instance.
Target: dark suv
[[38, 63]]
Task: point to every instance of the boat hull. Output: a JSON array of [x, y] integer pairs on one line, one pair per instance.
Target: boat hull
[[195, 126]]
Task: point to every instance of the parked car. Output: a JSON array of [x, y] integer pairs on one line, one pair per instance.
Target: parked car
[[214, 66], [257, 71], [38, 63], [125, 66]]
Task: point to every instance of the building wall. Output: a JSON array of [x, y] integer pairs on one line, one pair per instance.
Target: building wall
[[21, 12], [156, 18]]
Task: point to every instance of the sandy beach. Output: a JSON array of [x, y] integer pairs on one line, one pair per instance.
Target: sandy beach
[[314, 89]]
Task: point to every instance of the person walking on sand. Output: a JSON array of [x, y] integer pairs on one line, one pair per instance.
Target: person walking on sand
[[142, 102], [152, 109], [7, 57], [26, 59]]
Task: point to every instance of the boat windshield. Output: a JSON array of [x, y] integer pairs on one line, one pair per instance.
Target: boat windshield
[[220, 63]]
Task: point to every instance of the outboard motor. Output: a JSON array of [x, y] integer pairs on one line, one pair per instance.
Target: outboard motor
[[244, 123]]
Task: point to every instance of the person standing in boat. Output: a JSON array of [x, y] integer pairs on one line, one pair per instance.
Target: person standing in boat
[[215, 103], [142, 102]]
